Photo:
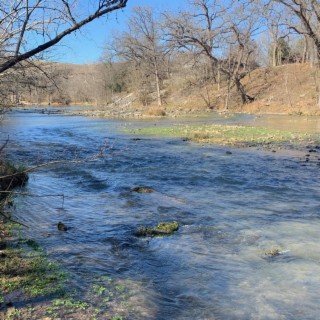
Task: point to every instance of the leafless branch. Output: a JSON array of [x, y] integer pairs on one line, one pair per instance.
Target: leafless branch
[[21, 18], [4, 145]]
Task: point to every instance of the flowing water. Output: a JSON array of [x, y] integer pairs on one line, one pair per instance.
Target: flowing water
[[231, 209]]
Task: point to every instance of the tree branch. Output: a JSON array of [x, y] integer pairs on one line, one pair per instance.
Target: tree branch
[[104, 8]]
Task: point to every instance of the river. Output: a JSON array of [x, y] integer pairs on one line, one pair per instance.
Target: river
[[231, 209]]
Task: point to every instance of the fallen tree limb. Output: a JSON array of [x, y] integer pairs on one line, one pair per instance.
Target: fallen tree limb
[[62, 162]]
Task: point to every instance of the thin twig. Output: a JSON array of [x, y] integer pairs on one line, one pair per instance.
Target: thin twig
[[4, 145], [12, 220], [94, 158]]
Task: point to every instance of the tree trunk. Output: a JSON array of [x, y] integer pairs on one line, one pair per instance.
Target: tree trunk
[[219, 78], [244, 96], [226, 105], [156, 71], [273, 55], [317, 82]]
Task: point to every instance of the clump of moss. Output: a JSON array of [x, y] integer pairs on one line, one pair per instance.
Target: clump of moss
[[273, 252], [163, 228], [142, 189]]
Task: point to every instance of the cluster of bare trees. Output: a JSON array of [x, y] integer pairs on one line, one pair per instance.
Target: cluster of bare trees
[[216, 33], [219, 42], [222, 38]]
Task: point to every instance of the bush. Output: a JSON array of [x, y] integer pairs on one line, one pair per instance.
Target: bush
[[156, 112], [11, 176]]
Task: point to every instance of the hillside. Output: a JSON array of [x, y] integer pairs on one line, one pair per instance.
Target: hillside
[[289, 88]]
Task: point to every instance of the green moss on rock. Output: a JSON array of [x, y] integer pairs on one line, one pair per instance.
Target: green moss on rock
[[142, 189], [163, 228], [272, 252]]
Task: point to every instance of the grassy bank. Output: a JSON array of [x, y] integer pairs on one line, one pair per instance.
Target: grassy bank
[[34, 287], [230, 135], [26, 275]]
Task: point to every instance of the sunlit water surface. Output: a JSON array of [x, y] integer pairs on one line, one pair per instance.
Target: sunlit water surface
[[231, 208]]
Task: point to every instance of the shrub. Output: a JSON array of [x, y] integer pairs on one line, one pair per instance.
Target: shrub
[[156, 112], [11, 176]]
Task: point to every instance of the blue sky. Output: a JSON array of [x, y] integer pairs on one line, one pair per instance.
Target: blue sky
[[86, 45]]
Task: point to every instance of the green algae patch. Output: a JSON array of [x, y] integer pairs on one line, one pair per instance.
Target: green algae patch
[[163, 228], [232, 135]]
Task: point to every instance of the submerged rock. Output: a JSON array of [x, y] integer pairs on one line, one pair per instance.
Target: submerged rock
[[3, 245], [163, 228], [61, 226], [142, 189]]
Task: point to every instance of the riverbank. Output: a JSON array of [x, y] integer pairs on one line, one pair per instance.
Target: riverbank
[[34, 287], [28, 280]]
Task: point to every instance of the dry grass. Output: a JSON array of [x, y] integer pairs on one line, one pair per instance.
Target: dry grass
[[155, 111], [285, 89]]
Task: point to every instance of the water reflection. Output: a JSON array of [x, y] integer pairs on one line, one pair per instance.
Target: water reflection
[[231, 210]]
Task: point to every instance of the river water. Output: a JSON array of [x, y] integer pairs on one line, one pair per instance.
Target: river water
[[231, 209]]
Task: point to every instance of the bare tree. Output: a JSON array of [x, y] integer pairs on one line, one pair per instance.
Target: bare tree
[[212, 29], [142, 45], [305, 20], [276, 31], [110, 80], [29, 27]]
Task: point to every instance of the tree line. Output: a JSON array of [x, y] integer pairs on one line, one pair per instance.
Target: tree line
[[209, 43]]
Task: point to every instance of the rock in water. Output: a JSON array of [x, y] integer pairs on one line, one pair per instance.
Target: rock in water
[[272, 252], [61, 226], [162, 229], [142, 189]]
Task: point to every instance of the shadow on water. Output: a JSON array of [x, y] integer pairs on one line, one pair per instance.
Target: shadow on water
[[231, 210]]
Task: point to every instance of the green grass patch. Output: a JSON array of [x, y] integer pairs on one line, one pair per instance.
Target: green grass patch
[[24, 267], [35, 276], [232, 135], [26, 274]]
